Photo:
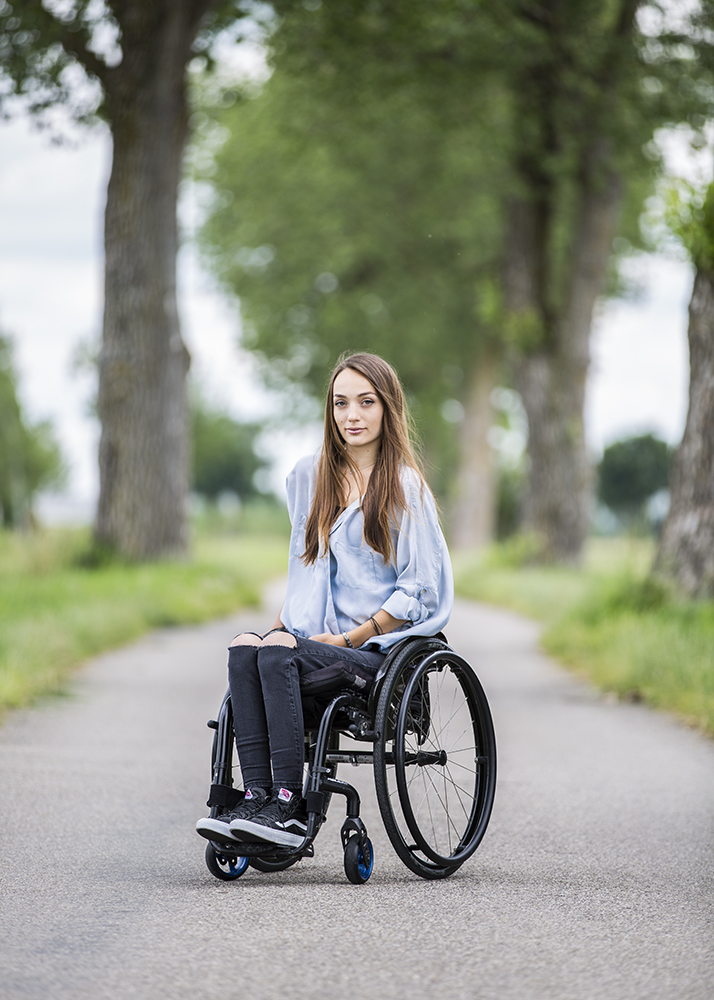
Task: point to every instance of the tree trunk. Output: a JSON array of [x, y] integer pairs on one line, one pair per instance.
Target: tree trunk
[[556, 503], [686, 551], [551, 379], [142, 399], [474, 508]]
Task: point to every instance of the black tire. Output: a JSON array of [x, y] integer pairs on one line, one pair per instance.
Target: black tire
[[267, 865], [358, 866], [226, 867], [435, 761]]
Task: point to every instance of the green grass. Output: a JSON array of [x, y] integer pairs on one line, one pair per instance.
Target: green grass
[[611, 622], [54, 613]]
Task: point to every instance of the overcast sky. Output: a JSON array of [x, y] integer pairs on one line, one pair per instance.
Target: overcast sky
[[51, 204]]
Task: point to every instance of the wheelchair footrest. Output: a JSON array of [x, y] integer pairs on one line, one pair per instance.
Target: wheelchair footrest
[[261, 849]]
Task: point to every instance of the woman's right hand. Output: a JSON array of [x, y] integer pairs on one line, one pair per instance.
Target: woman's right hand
[[329, 639]]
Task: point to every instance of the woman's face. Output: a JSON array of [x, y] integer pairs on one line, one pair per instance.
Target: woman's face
[[358, 411]]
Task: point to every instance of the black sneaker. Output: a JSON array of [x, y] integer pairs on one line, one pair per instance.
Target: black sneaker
[[217, 828], [282, 821]]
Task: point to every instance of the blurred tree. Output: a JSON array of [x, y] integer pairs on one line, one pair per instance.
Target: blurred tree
[[125, 61], [591, 88], [631, 471], [30, 458], [686, 550], [351, 228], [580, 89], [509, 509], [223, 454]]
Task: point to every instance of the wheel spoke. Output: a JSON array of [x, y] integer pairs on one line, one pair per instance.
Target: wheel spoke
[[466, 729], [458, 789], [454, 708], [421, 783], [449, 820], [455, 763]]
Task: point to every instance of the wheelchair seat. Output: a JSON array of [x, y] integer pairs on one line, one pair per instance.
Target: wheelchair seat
[[429, 737]]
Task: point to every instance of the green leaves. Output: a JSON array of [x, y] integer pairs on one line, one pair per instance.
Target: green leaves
[[632, 470], [689, 216], [351, 226], [30, 457], [224, 459], [39, 51]]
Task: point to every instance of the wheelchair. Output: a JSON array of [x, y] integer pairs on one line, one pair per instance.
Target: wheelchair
[[427, 731]]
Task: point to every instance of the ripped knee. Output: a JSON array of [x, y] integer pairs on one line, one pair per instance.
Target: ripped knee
[[280, 639], [246, 639]]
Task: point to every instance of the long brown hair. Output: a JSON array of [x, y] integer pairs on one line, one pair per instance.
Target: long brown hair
[[384, 500]]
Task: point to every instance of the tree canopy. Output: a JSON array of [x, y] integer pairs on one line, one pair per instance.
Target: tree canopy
[[224, 458], [126, 61], [461, 168], [355, 231], [633, 470], [433, 182]]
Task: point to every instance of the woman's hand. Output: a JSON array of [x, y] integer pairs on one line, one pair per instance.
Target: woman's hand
[[329, 638]]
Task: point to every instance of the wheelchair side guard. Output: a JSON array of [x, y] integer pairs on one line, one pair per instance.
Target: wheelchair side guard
[[438, 641]]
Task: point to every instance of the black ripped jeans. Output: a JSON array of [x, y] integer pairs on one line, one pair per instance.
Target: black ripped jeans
[[264, 683]]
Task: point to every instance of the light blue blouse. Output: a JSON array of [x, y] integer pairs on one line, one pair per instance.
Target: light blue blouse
[[350, 582]]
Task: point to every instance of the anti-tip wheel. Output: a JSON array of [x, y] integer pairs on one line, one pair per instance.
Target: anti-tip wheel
[[226, 867], [358, 864]]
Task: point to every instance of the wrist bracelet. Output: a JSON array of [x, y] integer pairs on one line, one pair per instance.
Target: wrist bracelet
[[347, 640], [375, 625]]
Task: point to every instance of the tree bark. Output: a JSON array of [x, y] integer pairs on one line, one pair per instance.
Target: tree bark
[[686, 551], [142, 399], [549, 301], [551, 379], [474, 508]]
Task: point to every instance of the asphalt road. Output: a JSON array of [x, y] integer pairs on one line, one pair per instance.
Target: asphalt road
[[595, 879]]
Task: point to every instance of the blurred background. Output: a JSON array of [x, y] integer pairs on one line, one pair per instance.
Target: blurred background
[[51, 204], [205, 202], [52, 193]]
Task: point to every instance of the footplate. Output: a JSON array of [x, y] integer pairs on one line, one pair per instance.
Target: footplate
[[260, 849]]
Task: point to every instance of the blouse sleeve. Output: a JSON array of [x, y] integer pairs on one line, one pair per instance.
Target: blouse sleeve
[[424, 585], [299, 487]]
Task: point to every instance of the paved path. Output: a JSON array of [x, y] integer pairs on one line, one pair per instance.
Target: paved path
[[595, 879]]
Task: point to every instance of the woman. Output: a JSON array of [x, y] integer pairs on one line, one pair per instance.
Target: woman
[[368, 566]]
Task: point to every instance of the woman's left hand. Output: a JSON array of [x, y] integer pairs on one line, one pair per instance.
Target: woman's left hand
[[329, 638]]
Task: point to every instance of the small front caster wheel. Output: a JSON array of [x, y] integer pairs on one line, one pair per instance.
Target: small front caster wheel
[[226, 867], [358, 863]]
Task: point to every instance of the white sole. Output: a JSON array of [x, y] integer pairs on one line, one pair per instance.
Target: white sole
[[246, 829], [213, 829]]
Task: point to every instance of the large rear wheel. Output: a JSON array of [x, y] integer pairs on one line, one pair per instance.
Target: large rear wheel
[[435, 761]]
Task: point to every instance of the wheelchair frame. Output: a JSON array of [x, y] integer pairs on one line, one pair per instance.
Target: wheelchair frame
[[435, 821]]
